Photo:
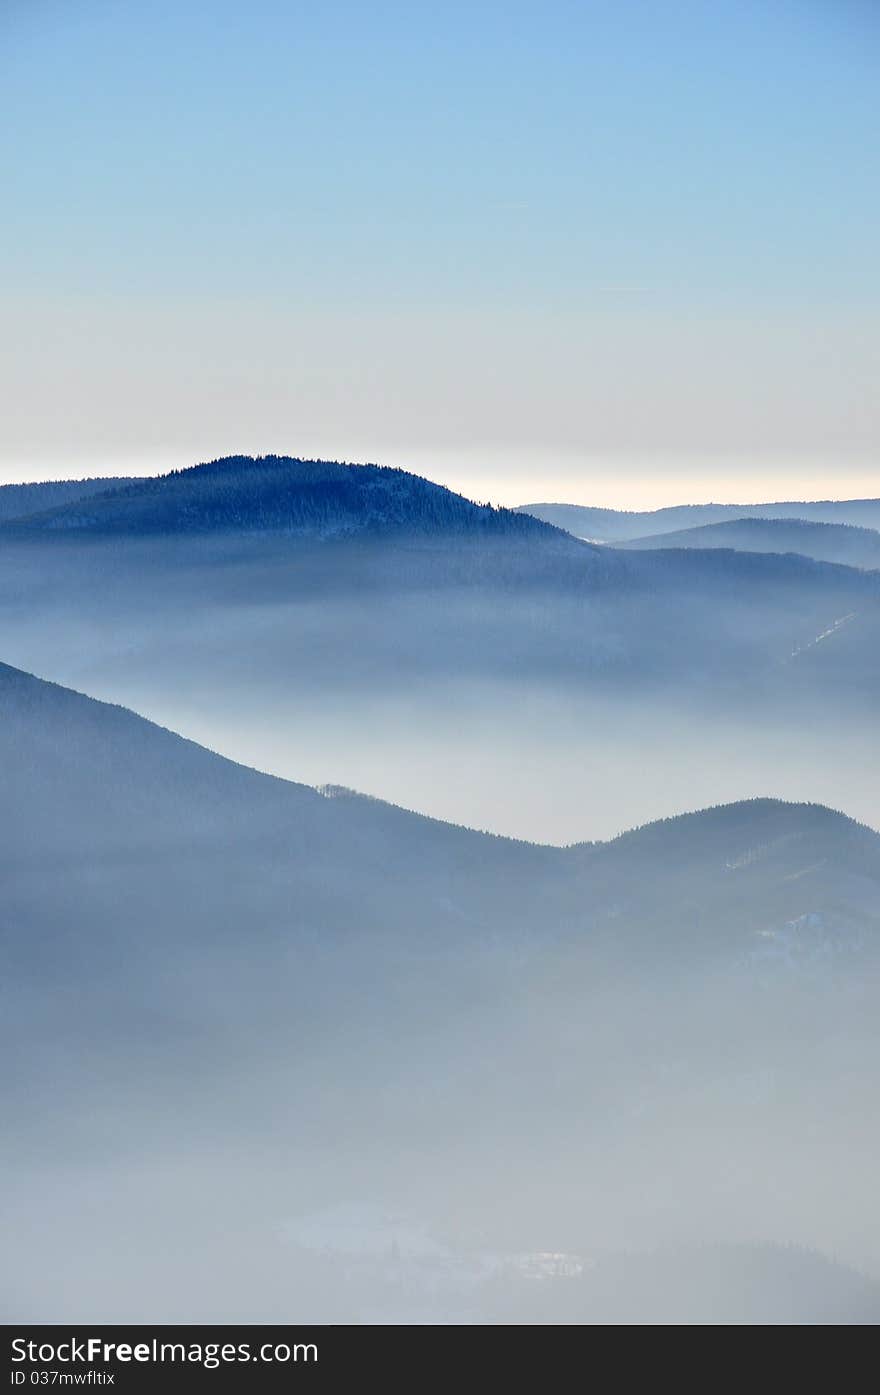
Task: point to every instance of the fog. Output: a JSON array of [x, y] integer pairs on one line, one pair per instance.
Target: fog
[[286, 1053], [281, 1055], [559, 712], [536, 764], [183, 1194]]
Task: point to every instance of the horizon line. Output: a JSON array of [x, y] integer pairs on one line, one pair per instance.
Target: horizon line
[[157, 470]]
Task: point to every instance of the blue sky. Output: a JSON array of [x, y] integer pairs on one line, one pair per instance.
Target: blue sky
[[591, 251]]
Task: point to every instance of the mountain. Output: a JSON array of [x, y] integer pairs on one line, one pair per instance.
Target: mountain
[[454, 587], [104, 810], [526, 654], [19, 500], [228, 999], [281, 495], [619, 525], [93, 782], [824, 542], [91, 785]]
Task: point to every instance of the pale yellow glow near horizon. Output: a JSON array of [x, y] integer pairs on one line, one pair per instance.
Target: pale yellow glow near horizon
[[625, 403], [623, 483], [606, 482]]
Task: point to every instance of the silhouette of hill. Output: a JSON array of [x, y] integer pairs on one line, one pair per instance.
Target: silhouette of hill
[[281, 494]]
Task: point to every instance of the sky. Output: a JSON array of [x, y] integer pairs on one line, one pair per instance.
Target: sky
[[612, 252]]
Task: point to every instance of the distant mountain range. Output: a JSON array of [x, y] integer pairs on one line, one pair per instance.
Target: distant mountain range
[[329, 499], [618, 525], [455, 587], [229, 997], [842, 543]]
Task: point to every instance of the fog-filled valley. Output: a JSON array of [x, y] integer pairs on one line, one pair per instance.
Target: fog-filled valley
[[474, 664], [439, 684], [284, 1051]]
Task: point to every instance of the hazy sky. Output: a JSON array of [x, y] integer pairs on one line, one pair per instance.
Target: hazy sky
[[609, 251]]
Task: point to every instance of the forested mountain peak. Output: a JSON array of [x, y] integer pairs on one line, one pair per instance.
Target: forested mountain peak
[[283, 494]]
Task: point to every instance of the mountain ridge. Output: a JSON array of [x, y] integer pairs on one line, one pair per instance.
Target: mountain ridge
[[41, 691], [94, 786], [844, 544], [620, 525]]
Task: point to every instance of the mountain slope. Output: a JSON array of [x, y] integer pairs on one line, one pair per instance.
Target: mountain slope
[[89, 784], [20, 500], [824, 542], [92, 786]]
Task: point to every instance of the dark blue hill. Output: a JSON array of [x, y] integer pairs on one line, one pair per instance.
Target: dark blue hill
[[281, 494]]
